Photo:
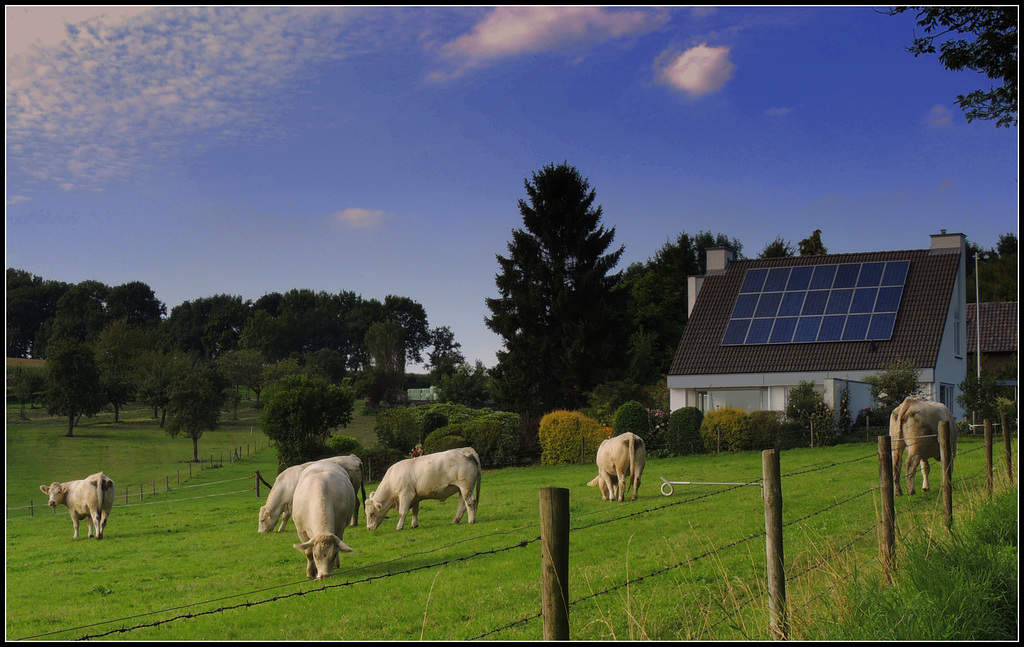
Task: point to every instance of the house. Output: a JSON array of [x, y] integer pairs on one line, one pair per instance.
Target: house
[[992, 328], [758, 328]]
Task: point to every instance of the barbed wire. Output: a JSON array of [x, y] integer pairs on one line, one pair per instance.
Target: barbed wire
[[521, 543]]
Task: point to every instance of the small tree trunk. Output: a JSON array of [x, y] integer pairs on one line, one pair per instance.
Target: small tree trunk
[[71, 426], [195, 449]]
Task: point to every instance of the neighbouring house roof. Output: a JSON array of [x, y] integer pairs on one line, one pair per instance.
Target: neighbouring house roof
[[998, 327], [916, 335]]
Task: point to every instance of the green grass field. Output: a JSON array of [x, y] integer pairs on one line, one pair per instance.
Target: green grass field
[[188, 564]]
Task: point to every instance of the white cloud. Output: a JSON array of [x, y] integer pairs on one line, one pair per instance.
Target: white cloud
[[359, 217], [939, 117], [698, 71], [509, 31], [117, 92]]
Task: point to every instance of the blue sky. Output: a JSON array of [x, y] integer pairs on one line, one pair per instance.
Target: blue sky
[[383, 150]]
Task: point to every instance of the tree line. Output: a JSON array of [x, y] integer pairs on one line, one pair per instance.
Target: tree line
[[576, 331]]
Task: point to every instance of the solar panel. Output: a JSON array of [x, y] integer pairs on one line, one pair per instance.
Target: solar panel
[[832, 302]]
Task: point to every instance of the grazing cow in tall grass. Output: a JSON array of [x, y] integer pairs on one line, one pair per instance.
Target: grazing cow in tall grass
[[90, 498], [434, 476], [914, 428], [321, 508], [620, 464]]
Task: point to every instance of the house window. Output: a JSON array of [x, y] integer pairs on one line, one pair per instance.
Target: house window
[[947, 395]]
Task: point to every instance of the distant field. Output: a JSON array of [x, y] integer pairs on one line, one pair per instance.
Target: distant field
[[188, 564]]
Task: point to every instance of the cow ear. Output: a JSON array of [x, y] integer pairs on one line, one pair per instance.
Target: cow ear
[[303, 546], [45, 489]]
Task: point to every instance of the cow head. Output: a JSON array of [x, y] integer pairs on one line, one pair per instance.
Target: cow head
[[321, 553], [375, 513], [265, 524], [56, 493]]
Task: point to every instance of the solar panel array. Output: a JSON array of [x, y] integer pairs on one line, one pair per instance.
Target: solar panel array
[[817, 303]]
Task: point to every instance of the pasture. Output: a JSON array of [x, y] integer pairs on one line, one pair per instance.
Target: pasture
[[188, 564]]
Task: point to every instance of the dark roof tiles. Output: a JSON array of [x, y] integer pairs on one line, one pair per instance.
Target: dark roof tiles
[[999, 330]]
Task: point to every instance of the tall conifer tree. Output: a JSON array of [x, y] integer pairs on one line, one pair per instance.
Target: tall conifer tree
[[560, 313]]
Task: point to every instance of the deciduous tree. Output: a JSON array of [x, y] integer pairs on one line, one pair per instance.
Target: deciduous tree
[[194, 400], [299, 414], [73, 381], [981, 39]]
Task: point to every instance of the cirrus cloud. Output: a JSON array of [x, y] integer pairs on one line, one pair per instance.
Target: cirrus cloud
[[698, 71], [358, 217], [510, 31]]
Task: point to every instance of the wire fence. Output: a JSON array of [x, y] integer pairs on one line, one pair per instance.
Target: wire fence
[[581, 526], [129, 495]]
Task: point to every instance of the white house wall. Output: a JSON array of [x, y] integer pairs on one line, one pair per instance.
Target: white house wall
[[772, 389]]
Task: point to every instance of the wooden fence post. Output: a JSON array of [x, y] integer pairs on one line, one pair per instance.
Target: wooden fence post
[[554, 542], [1004, 419], [888, 521], [772, 493], [947, 474], [988, 457]]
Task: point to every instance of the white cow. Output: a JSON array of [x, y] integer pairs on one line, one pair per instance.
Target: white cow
[[90, 498], [914, 427], [279, 501], [433, 476], [321, 507], [620, 464]]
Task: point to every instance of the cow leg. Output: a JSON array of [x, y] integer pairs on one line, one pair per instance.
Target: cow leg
[[623, 484], [404, 505], [925, 468], [897, 456], [75, 519], [912, 462], [415, 514], [461, 509], [636, 486], [285, 516], [310, 565], [104, 515], [94, 526]]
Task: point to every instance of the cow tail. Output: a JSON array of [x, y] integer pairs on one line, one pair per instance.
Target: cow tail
[[632, 461]]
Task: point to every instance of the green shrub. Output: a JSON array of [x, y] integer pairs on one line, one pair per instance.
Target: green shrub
[[343, 445], [764, 428], [397, 428], [569, 437], [683, 437], [633, 417], [445, 438], [791, 434], [505, 451], [377, 460], [726, 429], [430, 421]]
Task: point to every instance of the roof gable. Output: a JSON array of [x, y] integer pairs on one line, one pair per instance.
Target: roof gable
[[916, 336]]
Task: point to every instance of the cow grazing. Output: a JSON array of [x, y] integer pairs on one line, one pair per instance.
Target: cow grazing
[[620, 464], [279, 501], [914, 428], [90, 498], [434, 476], [321, 508]]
